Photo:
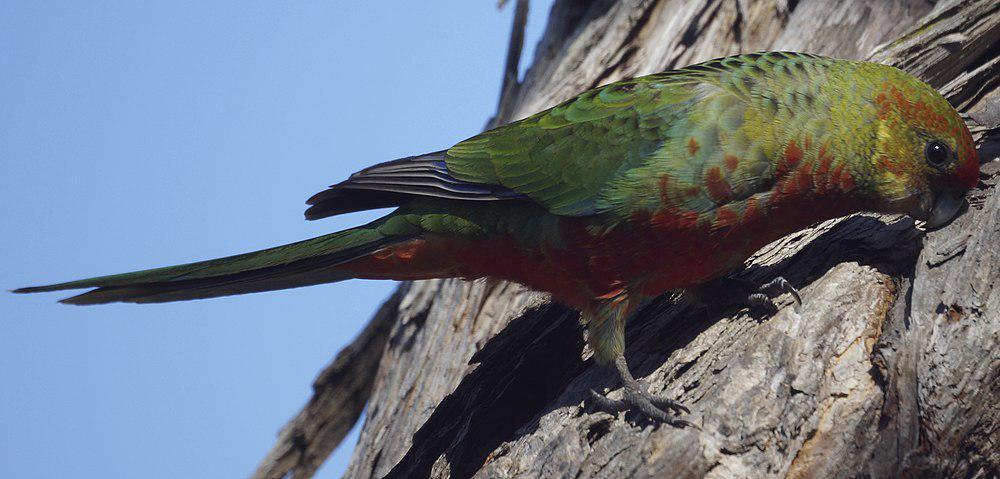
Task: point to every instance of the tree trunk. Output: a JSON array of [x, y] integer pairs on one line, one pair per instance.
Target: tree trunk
[[890, 367]]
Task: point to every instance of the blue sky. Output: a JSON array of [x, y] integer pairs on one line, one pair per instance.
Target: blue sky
[[143, 134]]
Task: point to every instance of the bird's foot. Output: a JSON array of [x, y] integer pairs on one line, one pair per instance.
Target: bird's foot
[[657, 408], [636, 397], [729, 291], [764, 296]]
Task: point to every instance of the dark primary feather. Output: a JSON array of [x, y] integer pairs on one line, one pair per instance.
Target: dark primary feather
[[396, 182]]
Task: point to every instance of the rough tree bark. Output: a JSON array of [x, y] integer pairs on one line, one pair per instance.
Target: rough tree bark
[[890, 368]]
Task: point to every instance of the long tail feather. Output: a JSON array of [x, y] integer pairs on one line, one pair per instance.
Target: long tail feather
[[304, 263]]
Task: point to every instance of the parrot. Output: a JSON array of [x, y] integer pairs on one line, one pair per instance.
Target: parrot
[[623, 193]]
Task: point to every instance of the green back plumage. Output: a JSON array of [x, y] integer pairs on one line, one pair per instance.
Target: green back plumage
[[563, 157], [605, 150]]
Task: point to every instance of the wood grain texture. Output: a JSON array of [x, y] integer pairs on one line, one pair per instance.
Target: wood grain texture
[[340, 393], [889, 368]]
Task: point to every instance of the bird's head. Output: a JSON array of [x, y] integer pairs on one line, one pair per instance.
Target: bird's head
[[925, 160]]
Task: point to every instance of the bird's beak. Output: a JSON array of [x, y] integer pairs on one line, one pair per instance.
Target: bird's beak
[[946, 205]]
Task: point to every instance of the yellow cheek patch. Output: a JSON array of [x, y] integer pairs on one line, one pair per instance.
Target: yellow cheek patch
[[893, 171]]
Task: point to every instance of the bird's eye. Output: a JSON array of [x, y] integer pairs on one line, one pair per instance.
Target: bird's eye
[[937, 153]]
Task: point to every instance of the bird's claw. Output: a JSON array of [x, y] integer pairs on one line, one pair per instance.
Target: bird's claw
[[764, 297], [781, 285], [664, 403], [762, 302], [636, 397]]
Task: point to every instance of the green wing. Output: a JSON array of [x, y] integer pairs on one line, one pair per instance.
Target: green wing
[[604, 149], [564, 158]]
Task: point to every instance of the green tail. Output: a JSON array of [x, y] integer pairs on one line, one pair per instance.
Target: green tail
[[304, 263]]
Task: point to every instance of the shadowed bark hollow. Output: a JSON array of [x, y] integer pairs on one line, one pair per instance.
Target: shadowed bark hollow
[[890, 368]]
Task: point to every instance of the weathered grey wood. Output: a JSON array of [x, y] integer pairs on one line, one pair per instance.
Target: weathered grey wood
[[511, 70], [889, 368], [340, 393]]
